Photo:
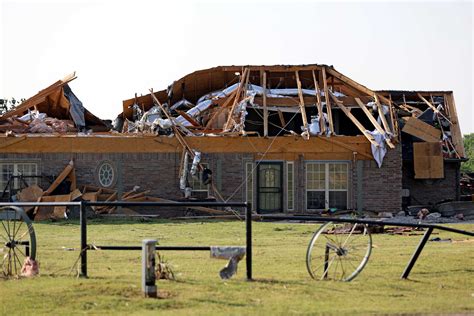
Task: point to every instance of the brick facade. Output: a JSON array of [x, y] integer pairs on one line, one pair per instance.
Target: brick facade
[[158, 172], [431, 191]]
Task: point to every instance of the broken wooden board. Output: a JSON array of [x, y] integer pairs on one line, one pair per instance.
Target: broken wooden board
[[422, 130], [30, 194], [52, 212], [428, 161], [68, 172]]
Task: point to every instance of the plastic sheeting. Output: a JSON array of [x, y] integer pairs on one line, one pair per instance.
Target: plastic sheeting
[[76, 109], [234, 254], [378, 151]]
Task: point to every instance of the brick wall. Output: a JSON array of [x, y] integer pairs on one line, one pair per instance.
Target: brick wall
[[382, 186], [158, 172], [431, 191]]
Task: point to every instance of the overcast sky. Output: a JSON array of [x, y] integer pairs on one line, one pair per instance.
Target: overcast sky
[[118, 48]]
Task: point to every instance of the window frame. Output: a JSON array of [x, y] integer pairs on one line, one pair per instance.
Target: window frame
[[16, 183], [327, 188], [287, 191]]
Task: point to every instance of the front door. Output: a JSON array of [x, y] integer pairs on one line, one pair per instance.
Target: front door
[[269, 187]]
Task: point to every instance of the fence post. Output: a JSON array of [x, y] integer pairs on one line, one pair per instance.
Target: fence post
[[83, 224], [148, 268], [248, 229]]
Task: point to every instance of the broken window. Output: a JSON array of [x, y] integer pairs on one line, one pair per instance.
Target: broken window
[[199, 189]]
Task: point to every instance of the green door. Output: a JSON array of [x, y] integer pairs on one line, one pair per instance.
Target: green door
[[269, 187]]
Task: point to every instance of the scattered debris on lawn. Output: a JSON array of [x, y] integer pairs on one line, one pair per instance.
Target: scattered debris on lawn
[[163, 269], [30, 268]]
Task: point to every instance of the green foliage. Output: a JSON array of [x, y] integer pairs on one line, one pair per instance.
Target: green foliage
[[440, 283], [469, 147]]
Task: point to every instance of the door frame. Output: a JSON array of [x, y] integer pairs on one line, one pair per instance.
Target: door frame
[[282, 176]]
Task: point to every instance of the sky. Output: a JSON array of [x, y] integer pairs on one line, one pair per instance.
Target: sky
[[119, 48]]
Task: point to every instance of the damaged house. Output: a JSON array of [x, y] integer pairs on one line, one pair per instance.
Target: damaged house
[[292, 139]]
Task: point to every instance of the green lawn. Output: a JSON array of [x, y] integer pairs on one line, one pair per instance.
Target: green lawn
[[441, 282]]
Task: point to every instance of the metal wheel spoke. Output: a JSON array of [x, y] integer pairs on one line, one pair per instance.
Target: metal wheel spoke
[[18, 230], [342, 267], [8, 234], [21, 232], [335, 270], [22, 253], [18, 259], [351, 251], [322, 264], [325, 272]]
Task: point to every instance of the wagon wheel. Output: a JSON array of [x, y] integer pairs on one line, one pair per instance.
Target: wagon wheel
[[338, 251], [17, 240]]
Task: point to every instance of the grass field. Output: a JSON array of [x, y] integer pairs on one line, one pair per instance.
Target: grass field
[[441, 282]]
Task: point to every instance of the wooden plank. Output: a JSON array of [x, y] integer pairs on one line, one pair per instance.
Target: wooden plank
[[428, 160], [428, 103], [265, 109], [69, 168], [361, 128], [223, 107], [328, 102], [300, 95], [165, 144], [420, 129], [12, 141], [382, 116], [188, 118], [456, 134], [282, 119], [322, 123], [374, 122], [39, 97], [245, 76], [346, 146], [354, 84]]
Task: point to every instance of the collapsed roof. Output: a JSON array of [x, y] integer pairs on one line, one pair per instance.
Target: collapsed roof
[[53, 109], [307, 100]]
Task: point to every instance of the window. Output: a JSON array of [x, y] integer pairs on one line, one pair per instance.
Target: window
[[249, 182], [9, 169], [106, 174], [195, 182], [326, 185], [290, 185]]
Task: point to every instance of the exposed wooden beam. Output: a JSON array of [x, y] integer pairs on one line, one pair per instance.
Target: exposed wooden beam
[[327, 99], [188, 118], [302, 108], [265, 109], [216, 114], [344, 145], [374, 121], [393, 116], [428, 103], [361, 127], [433, 107], [282, 119], [322, 123], [381, 115], [243, 80], [456, 134], [353, 84]]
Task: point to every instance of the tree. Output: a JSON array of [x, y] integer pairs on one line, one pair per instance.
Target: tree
[[469, 148]]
